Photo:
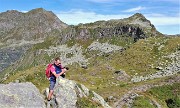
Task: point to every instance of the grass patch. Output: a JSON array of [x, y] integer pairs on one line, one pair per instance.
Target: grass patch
[[87, 103], [144, 56], [167, 95], [36, 75], [142, 102]]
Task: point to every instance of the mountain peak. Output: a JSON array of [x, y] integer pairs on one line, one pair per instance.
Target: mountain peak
[[12, 11], [37, 10], [31, 25], [138, 16]]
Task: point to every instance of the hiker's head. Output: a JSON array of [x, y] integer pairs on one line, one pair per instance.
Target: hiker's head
[[57, 61]]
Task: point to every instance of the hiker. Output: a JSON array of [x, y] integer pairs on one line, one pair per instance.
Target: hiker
[[56, 71]]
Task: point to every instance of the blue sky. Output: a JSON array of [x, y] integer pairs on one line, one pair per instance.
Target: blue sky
[[164, 14]]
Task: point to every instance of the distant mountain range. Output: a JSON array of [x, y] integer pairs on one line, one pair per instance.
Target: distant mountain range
[[19, 29]]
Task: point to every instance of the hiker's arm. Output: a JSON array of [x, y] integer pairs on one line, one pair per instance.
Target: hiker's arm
[[63, 71], [56, 75], [53, 71]]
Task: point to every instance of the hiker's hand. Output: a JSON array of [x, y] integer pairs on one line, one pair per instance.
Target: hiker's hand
[[66, 68]]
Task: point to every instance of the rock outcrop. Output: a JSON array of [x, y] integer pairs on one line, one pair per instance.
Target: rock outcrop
[[104, 47], [69, 55], [67, 94], [20, 95]]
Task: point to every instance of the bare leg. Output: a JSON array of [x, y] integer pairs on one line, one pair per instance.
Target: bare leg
[[50, 94]]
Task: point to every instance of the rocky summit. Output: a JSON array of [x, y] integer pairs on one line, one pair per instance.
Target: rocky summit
[[122, 63]]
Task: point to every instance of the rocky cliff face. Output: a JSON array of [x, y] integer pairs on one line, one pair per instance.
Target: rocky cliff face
[[20, 95], [135, 27]]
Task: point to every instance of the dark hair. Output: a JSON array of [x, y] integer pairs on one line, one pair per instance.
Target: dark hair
[[57, 58]]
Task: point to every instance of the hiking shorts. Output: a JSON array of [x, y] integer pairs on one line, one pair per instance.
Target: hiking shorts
[[52, 84]]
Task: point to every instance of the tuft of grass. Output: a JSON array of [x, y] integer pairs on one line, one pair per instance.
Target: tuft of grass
[[167, 95], [36, 75], [87, 103], [142, 102], [49, 41]]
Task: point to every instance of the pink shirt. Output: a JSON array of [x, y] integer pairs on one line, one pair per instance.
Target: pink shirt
[[52, 69]]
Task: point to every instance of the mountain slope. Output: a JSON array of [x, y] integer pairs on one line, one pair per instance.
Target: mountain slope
[[28, 26], [19, 31]]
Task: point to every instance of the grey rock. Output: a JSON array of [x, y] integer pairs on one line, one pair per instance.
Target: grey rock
[[99, 99], [76, 51], [121, 75], [104, 47], [24, 95], [67, 92]]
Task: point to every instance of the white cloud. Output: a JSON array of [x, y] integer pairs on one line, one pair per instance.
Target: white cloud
[[79, 16], [134, 9], [24, 11], [75, 17], [166, 20]]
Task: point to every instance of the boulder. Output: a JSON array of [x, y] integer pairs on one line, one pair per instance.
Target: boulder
[[68, 92], [20, 95]]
